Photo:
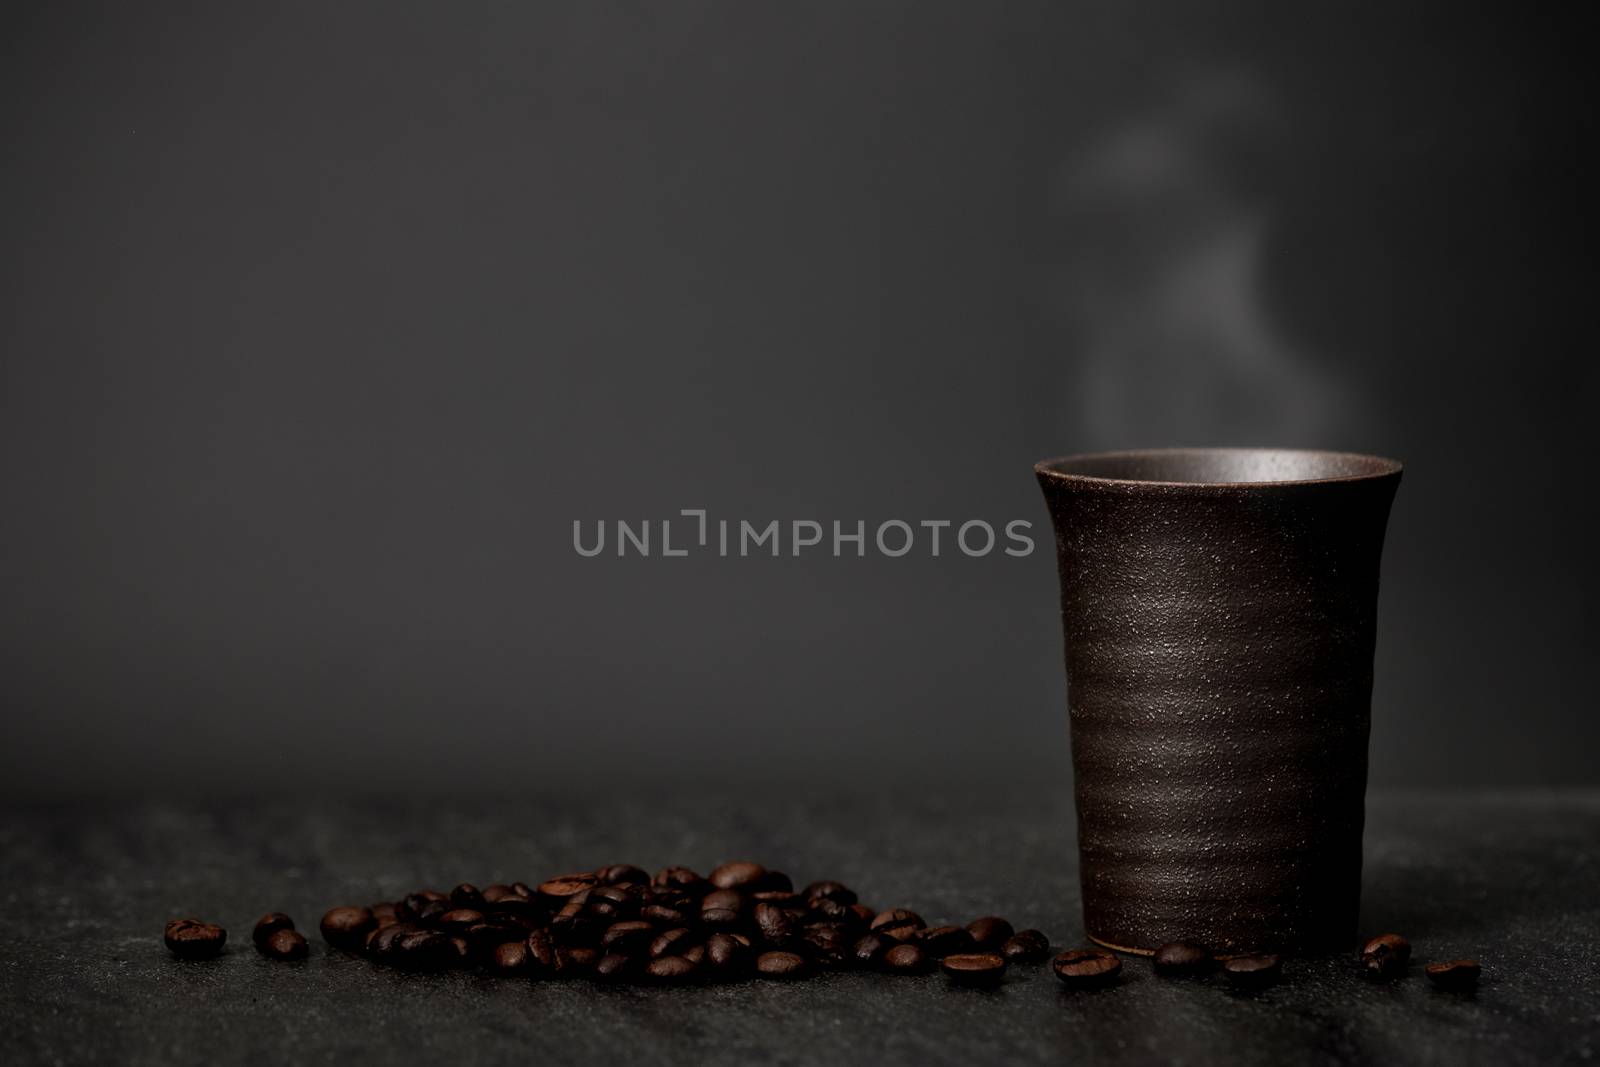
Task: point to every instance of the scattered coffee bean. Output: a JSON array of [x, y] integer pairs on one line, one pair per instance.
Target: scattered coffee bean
[[1454, 975], [466, 895], [672, 943], [1386, 957], [1253, 972], [283, 944], [347, 927], [981, 969], [629, 938], [192, 939], [622, 874], [898, 923], [672, 970], [941, 941], [1026, 946], [780, 965], [905, 959], [1179, 959], [1087, 968], [775, 925], [990, 932], [562, 889], [869, 950], [834, 891], [612, 967], [422, 950], [728, 955], [269, 924]]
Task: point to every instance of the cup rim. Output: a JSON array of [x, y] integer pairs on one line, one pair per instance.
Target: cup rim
[[1377, 468]]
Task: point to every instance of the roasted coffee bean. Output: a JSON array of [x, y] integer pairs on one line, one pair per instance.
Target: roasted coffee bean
[[660, 915], [269, 924], [466, 895], [738, 875], [981, 969], [562, 889], [1178, 959], [1454, 975], [431, 912], [622, 874], [780, 965], [778, 898], [611, 902], [728, 956], [721, 907], [484, 936], [380, 943], [347, 927], [832, 910], [678, 878], [1385, 957], [577, 929], [863, 914], [671, 970], [834, 891], [1253, 972], [545, 958], [629, 938], [386, 912], [283, 944], [581, 959], [941, 941], [828, 946], [497, 892], [775, 925], [1086, 968], [773, 882], [672, 943], [905, 958], [869, 950], [901, 924], [695, 954], [612, 967], [509, 958], [192, 939], [991, 931], [411, 905], [422, 950], [457, 920], [514, 906], [460, 951], [1026, 946]]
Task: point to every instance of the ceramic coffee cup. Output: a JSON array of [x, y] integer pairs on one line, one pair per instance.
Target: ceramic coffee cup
[[1219, 609]]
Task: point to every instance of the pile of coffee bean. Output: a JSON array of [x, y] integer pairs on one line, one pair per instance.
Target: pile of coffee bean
[[620, 924]]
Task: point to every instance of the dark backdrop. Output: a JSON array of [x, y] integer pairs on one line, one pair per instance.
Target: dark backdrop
[[323, 323]]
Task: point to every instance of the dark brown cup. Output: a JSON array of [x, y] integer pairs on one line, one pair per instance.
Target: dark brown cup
[[1219, 609]]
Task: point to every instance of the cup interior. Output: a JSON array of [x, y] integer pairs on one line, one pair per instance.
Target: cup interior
[[1220, 466]]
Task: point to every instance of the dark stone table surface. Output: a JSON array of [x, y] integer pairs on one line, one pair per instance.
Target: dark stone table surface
[[1511, 878]]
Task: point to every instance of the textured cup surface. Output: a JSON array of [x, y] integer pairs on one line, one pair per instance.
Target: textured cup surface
[[1219, 614]]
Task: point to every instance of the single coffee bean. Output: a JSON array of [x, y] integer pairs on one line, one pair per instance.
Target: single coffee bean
[[1026, 946], [905, 958], [1386, 957], [863, 913], [545, 958], [780, 965], [660, 915], [828, 945], [1253, 972], [192, 939], [269, 924], [681, 879], [728, 956], [483, 937], [458, 920], [564, 888], [461, 954], [612, 967], [622, 874], [1454, 975], [380, 942], [981, 969], [901, 924], [774, 882], [991, 931], [1178, 959], [831, 910], [611, 902], [497, 892], [466, 895], [671, 970], [347, 927], [834, 891], [869, 950], [671, 943], [775, 925], [778, 898], [386, 912], [283, 944], [695, 954], [941, 941], [509, 958], [514, 906], [629, 938], [721, 907], [1086, 968], [431, 912], [739, 875], [422, 950]]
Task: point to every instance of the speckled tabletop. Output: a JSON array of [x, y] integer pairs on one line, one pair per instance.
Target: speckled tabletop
[[1511, 878]]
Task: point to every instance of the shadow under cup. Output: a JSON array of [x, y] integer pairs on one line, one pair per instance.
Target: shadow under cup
[[1219, 610]]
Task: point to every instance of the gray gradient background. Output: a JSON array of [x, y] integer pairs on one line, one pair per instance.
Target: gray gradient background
[[323, 322]]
